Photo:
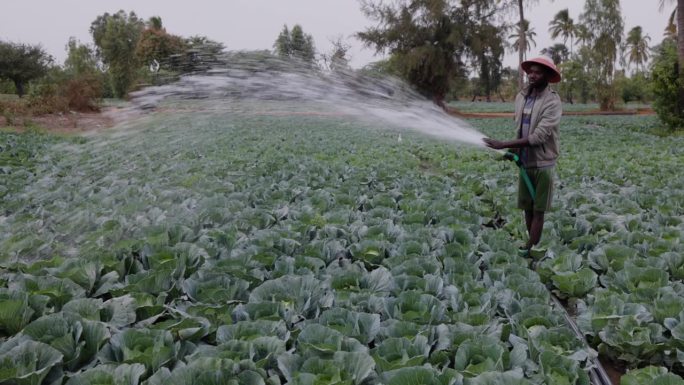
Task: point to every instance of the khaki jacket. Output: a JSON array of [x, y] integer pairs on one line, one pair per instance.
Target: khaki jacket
[[544, 127]]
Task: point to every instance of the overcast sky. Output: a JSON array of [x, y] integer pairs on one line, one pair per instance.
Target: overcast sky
[[255, 24]]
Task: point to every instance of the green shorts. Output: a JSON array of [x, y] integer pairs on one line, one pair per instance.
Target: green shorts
[[542, 180]]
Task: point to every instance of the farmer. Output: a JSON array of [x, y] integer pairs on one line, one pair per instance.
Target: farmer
[[537, 117]]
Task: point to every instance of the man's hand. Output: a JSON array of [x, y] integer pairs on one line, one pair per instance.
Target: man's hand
[[493, 143]]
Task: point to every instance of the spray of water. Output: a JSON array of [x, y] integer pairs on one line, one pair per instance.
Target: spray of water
[[296, 88], [179, 167]]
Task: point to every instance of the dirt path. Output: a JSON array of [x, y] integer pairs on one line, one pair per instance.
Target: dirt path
[[640, 111], [79, 122], [66, 123]]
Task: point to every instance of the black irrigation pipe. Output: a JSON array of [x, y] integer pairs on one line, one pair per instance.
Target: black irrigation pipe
[[597, 374]]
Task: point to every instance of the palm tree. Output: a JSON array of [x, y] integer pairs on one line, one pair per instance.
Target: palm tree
[[680, 26], [557, 52], [582, 33], [521, 45], [680, 42], [604, 22], [522, 40], [637, 47], [671, 28], [563, 25]]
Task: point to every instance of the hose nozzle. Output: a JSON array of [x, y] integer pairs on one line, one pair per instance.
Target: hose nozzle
[[512, 157]]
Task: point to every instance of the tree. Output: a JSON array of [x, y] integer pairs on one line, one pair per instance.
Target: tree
[[582, 34], [295, 44], [558, 52], [671, 28], [486, 48], [337, 59], [525, 39], [116, 38], [575, 81], [81, 58], [422, 39], [637, 47], [283, 43], [563, 25], [156, 44], [83, 86], [666, 84], [509, 83], [22, 63], [155, 22], [427, 40], [603, 20], [302, 44], [522, 44], [200, 54], [679, 26], [381, 67], [205, 45], [680, 48], [636, 88]]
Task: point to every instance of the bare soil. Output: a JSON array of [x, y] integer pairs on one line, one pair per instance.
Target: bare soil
[[65, 123], [461, 114], [613, 370], [79, 122]]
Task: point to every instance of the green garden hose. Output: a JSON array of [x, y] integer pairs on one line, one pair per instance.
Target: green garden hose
[[523, 174]]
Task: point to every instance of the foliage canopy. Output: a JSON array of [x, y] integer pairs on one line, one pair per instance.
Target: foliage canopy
[[295, 44], [605, 26], [431, 39], [666, 85], [116, 37], [22, 63]]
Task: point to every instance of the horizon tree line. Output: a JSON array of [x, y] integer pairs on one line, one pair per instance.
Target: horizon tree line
[[433, 44]]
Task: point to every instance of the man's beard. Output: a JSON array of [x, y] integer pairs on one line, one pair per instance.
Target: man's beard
[[541, 84]]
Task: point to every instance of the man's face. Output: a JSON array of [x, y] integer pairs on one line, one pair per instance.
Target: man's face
[[536, 76]]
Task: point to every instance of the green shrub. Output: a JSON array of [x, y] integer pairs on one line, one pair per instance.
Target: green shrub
[[43, 94], [636, 88], [10, 108], [666, 85], [83, 92], [61, 92], [7, 87]]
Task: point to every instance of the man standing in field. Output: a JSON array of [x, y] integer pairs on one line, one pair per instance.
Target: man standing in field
[[537, 117]]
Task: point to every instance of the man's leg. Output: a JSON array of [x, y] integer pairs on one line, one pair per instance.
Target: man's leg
[[535, 228], [543, 180], [529, 215], [528, 220]]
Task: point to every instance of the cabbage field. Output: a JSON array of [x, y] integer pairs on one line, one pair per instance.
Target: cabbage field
[[235, 246]]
